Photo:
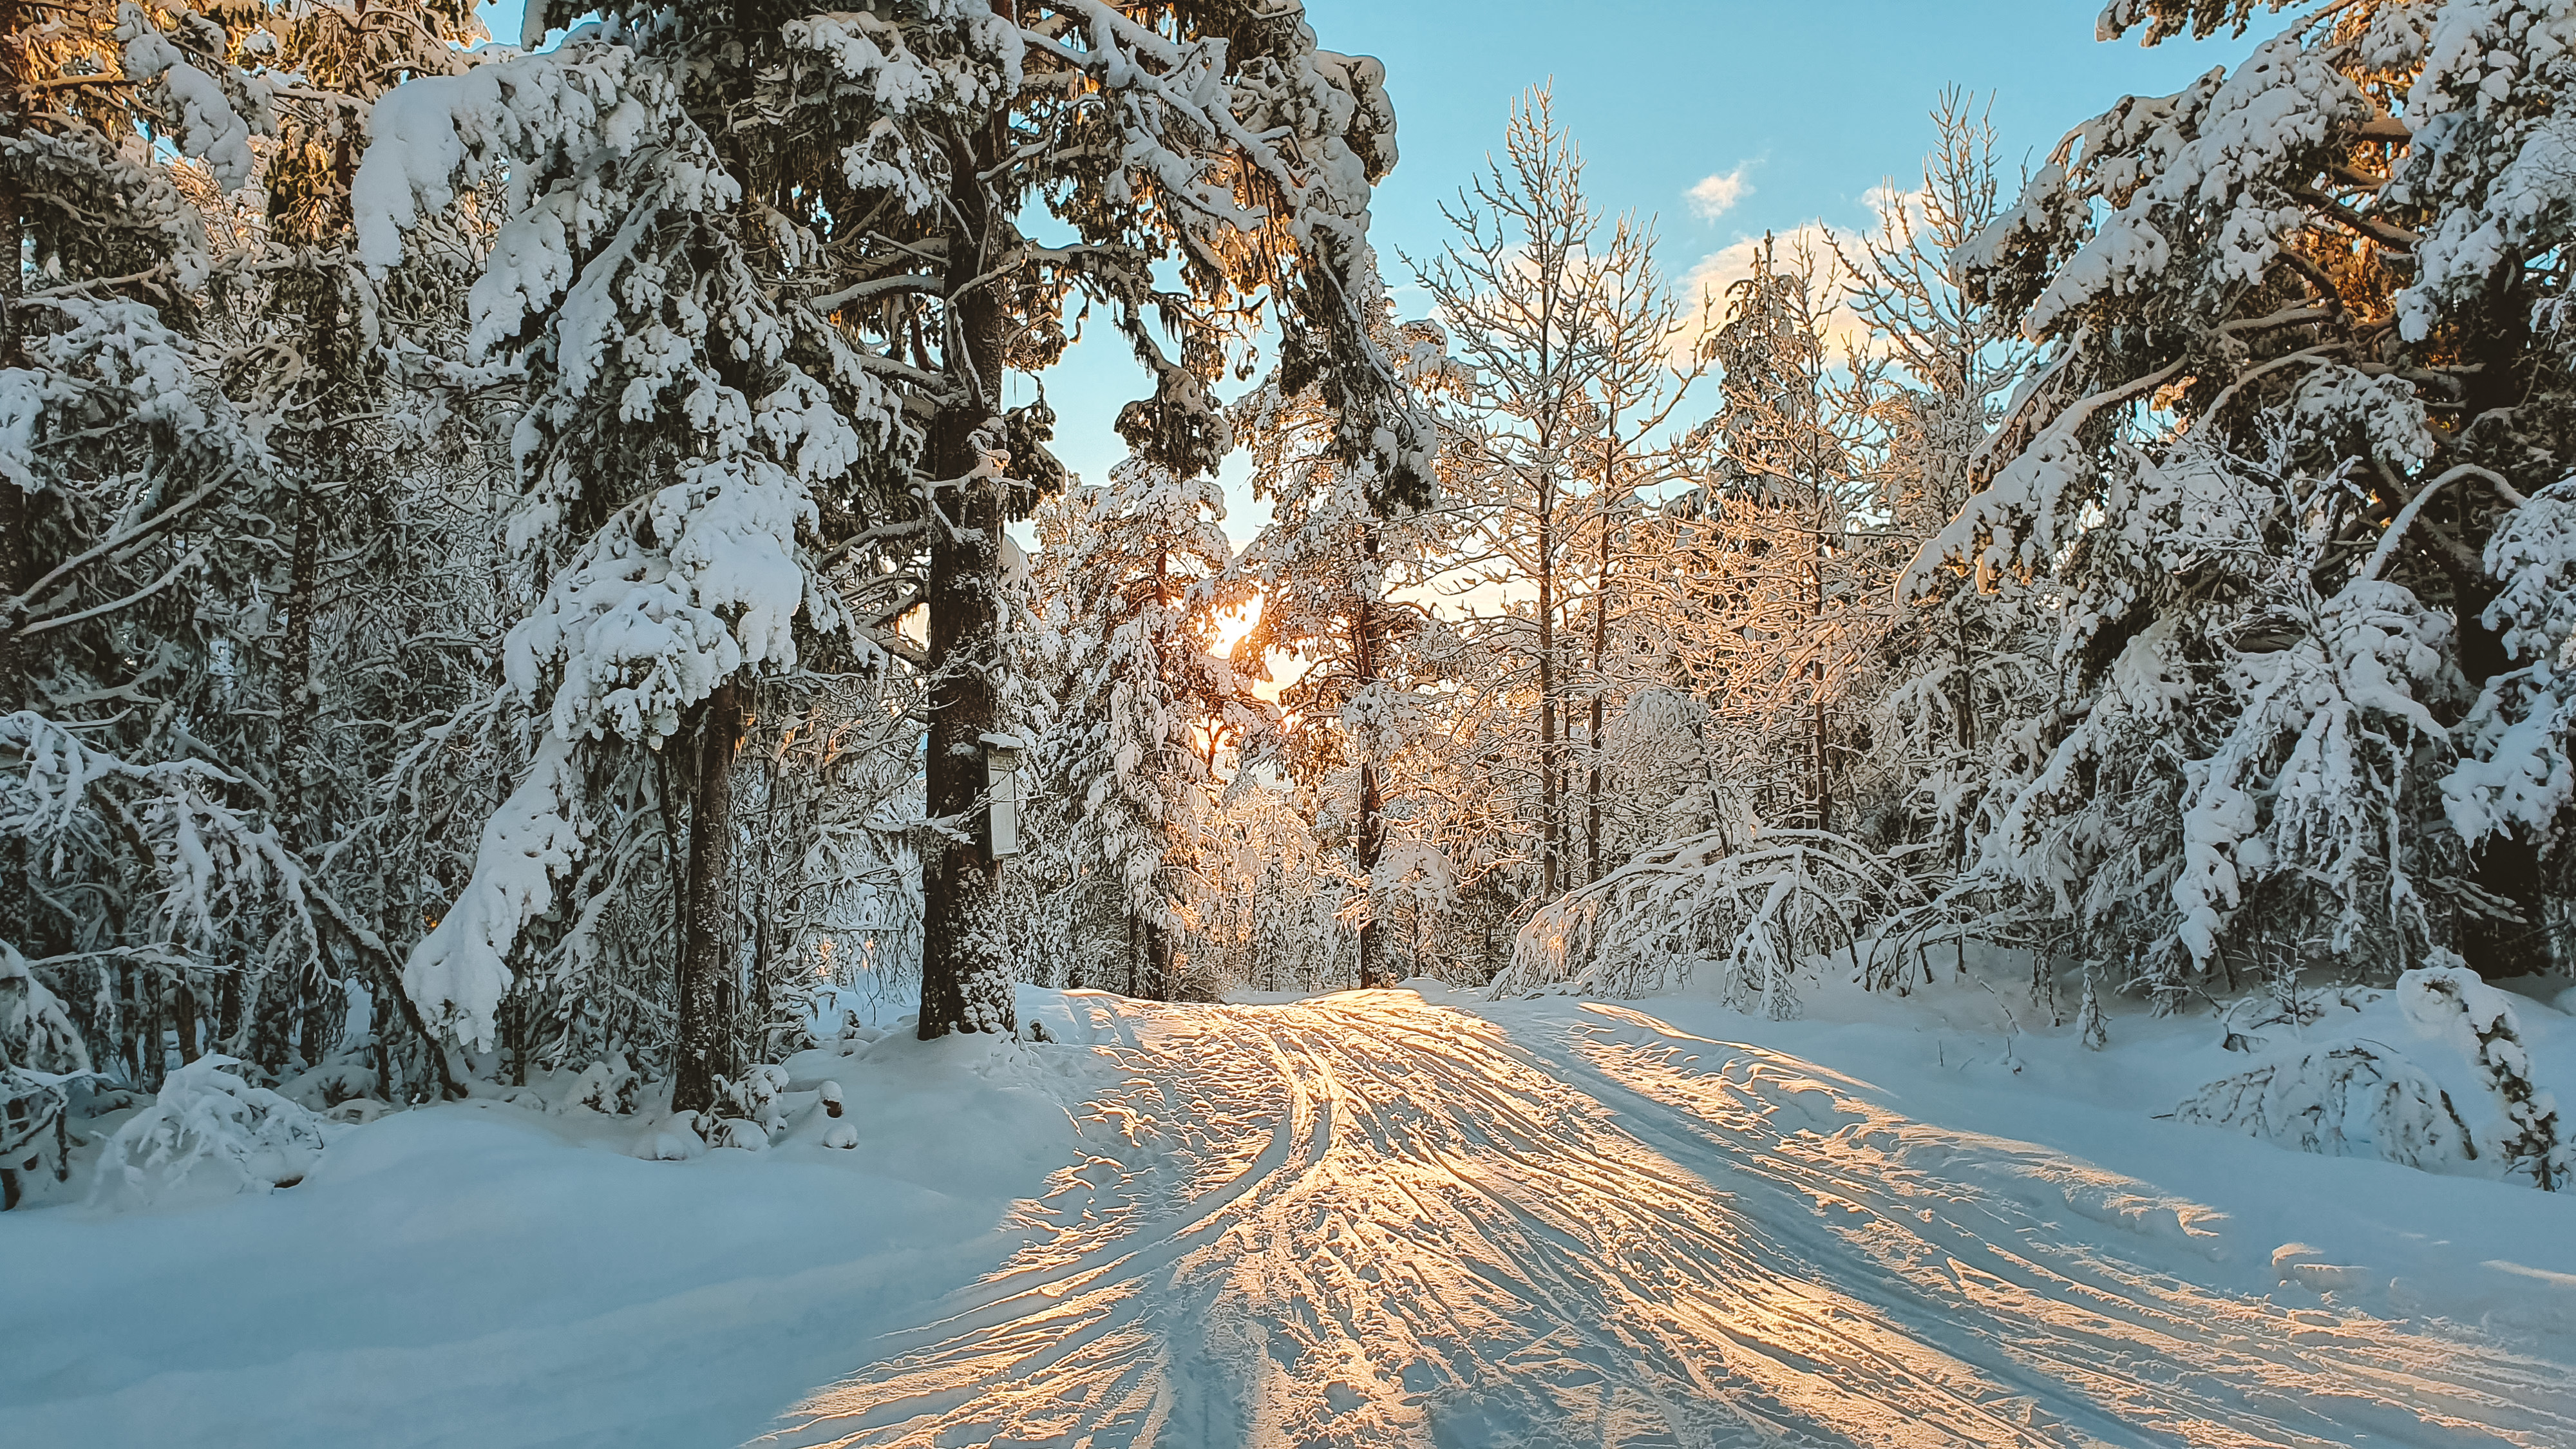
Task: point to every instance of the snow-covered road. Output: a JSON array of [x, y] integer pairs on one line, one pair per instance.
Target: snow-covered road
[[1368, 1220]]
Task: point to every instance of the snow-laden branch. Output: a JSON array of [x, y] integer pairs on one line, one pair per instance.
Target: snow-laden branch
[[1753, 909]]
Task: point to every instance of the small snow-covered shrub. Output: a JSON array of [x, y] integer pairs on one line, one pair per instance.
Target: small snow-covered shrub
[[747, 1113], [676, 1140], [347, 1077], [608, 1085], [2345, 1100], [736, 1132], [2451, 1003], [208, 1134], [754, 1098], [41, 1060]]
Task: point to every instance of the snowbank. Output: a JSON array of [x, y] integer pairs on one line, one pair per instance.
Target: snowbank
[[493, 1273]]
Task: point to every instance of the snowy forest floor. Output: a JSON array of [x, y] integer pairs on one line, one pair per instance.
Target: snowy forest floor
[[1381, 1218]]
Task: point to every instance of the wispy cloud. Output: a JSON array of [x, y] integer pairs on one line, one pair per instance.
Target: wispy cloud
[[1715, 195]]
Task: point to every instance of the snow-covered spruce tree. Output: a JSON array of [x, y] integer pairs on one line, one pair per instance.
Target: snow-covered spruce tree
[[1139, 567], [699, 437], [767, 277], [2303, 379], [146, 879], [377, 504], [1332, 570]]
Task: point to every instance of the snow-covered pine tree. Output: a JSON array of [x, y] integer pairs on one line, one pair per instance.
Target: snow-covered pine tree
[[702, 435], [1338, 575], [2302, 375], [380, 493], [1153, 716], [1770, 608], [145, 881]]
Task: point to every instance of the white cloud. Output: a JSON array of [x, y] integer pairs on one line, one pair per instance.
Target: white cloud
[[1810, 245], [1891, 204], [1715, 195]]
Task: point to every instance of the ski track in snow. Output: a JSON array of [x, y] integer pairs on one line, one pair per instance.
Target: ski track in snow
[[1365, 1220]]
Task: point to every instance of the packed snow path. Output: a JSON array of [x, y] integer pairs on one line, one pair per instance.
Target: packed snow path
[[1365, 1220]]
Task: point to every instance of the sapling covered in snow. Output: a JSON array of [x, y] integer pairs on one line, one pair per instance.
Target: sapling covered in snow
[[210, 1133], [2450, 1004], [1753, 911], [2350, 1099]]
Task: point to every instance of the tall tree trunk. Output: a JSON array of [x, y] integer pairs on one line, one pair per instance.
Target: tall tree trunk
[[965, 985], [324, 451], [1372, 849], [1600, 657], [183, 1017], [702, 954], [2507, 865], [1371, 845], [1551, 841], [299, 695], [1816, 808], [1158, 961], [17, 544]]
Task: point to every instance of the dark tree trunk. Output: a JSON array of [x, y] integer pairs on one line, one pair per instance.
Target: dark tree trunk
[[1551, 815], [702, 956], [1372, 848], [17, 549], [1819, 783], [1600, 656], [183, 1017], [965, 986], [1371, 845], [17, 545], [1158, 963], [2507, 866], [324, 449]]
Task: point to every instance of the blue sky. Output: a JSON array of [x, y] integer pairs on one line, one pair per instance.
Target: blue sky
[[1813, 104], [1808, 103]]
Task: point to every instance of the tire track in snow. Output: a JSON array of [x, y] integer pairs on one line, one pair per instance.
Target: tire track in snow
[[2040, 1255], [1368, 1221]]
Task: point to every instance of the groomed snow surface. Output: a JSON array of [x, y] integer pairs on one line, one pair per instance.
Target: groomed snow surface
[[1387, 1218]]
